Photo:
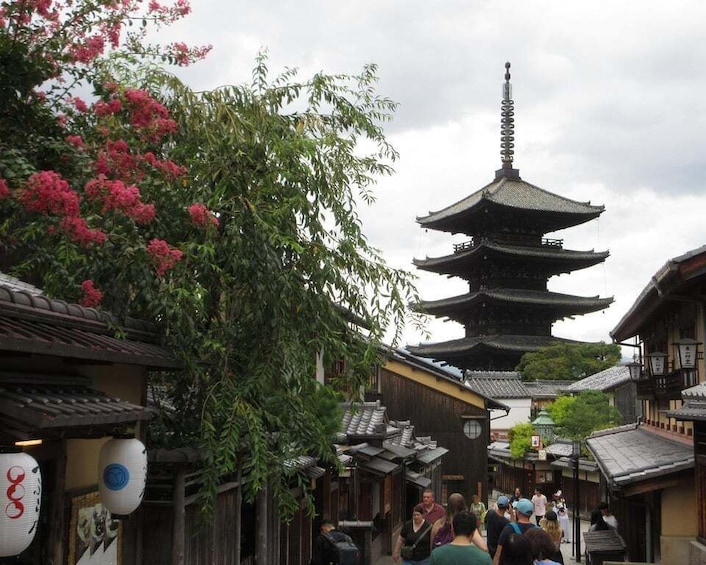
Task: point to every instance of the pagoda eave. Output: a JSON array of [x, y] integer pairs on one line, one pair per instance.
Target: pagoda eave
[[545, 259], [517, 299]]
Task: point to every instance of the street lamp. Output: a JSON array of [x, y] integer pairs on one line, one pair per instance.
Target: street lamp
[[687, 352], [544, 426], [658, 361], [635, 369], [576, 455]]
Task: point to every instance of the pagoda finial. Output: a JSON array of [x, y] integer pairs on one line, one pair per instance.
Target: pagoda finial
[[507, 122]]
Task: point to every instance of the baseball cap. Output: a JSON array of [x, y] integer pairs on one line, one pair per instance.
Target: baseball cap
[[503, 501], [525, 507]]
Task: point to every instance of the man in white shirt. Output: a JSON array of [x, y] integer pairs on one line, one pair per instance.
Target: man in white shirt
[[540, 504]]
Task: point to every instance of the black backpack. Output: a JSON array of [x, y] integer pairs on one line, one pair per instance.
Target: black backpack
[[346, 551]]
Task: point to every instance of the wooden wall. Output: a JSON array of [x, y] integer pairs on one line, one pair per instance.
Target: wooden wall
[[440, 416]]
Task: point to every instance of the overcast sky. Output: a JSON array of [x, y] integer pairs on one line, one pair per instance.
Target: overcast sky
[[609, 101]]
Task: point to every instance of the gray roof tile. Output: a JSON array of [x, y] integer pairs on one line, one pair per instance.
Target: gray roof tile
[[506, 385], [630, 454], [608, 379], [517, 194]]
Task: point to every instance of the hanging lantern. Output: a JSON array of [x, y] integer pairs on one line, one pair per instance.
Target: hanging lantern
[[122, 474], [20, 501]]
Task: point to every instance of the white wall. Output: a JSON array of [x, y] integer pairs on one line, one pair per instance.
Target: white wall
[[520, 410]]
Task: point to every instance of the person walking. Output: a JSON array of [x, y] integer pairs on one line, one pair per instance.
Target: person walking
[[550, 524], [415, 538], [324, 551], [478, 508], [517, 495], [542, 547], [562, 513], [461, 551], [523, 512], [540, 504], [608, 515], [442, 531], [432, 510], [495, 521], [517, 551]]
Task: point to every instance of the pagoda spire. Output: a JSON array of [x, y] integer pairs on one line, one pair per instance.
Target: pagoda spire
[[507, 130]]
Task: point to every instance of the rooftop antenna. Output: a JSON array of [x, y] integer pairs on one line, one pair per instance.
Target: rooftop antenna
[[507, 130]]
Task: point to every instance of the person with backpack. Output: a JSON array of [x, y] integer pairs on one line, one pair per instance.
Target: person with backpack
[[523, 511], [334, 547]]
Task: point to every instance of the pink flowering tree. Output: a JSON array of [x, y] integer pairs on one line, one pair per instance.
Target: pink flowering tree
[[252, 259]]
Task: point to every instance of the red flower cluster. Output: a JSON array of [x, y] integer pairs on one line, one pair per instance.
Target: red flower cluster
[[148, 115], [163, 255], [115, 196], [91, 48], [48, 194], [202, 216], [91, 295]]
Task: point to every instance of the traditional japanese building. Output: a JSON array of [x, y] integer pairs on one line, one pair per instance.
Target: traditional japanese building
[[507, 262]]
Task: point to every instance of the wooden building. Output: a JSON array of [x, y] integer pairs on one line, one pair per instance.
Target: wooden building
[[654, 472], [67, 384], [507, 262], [441, 405]]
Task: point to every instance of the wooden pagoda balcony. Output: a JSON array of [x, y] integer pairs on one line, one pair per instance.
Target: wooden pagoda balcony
[[557, 244], [666, 387]]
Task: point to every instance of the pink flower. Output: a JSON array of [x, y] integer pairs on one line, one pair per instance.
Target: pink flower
[[4, 190], [162, 255], [77, 229], [92, 297], [202, 216], [47, 193], [80, 105], [75, 140]]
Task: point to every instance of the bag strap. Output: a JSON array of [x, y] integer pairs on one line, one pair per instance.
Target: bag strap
[[421, 536], [516, 528]]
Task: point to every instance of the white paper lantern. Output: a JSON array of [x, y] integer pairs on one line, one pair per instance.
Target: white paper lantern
[[20, 501], [122, 474]]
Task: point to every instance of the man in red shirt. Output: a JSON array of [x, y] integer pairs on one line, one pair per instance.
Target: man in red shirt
[[432, 510]]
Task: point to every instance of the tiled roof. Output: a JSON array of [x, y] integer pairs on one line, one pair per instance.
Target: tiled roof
[[513, 343], [565, 259], [365, 419], [516, 194], [608, 379], [561, 303], [506, 385], [630, 454], [694, 407], [45, 410], [34, 324], [546, 388], [672, 278], [448, 372]]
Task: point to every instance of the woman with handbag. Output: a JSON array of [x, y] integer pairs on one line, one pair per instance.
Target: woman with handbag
[[414, 542]]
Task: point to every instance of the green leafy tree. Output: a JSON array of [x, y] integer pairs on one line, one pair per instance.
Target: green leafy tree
[[251, 260], [568, 361], [579, 416], [520, 436]]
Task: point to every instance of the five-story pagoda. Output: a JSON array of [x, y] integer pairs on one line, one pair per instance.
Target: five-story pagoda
[[507, 262]]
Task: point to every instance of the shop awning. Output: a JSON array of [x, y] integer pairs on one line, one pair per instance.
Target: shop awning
[[417, 479]]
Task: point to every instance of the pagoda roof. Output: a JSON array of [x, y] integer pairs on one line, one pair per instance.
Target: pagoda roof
[[519, 297], [563, 260], [541, 208], [463, 352]]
